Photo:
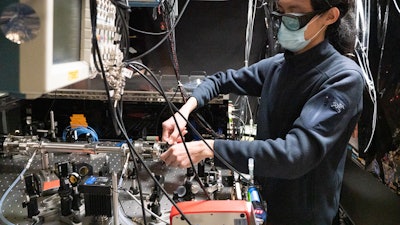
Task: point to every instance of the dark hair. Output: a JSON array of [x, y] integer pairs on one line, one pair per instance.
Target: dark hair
[[341, 34]]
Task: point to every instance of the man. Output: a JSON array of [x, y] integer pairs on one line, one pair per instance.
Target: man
[[311, 100]]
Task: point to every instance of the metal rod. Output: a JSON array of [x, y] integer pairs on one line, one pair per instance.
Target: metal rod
[[82, 148], [115, 198]]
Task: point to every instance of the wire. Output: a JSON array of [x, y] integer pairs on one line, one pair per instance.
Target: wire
[[124, 169], [116, 122], [125, 29], [174, 109], [133, 152], [149, 211], [164, 38], [155, 33], [119, 122], [149, 33], [363, 60], [249, 29], [125, 219], [20, 176], [203, 123], [397, 6], [251, 14], [188, 123], [163, 109], [363, 9], [198, 134], [169, 21], [79, 131], [382, 46], [244, 114]]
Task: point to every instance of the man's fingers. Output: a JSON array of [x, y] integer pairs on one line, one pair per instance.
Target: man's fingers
[[165, 135]]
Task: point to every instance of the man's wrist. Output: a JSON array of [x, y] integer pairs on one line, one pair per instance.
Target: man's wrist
[[210, 148]]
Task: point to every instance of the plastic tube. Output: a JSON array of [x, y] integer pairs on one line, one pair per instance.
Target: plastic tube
[[147, 210], [251, 169], [2, 218]]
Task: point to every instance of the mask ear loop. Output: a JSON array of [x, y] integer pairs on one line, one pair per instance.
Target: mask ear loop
[[316, 34]]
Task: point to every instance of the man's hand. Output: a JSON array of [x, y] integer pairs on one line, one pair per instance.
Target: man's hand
[[171, 133], [170, 127], [176, 155]]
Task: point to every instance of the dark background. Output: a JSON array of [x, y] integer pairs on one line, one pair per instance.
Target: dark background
[[209, 37]]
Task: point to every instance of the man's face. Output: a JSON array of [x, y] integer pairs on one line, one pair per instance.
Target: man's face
[[304, 7]]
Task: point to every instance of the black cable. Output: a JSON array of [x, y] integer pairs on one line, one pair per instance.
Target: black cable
[[159, 88], [188, 123], [215, 152], [93, 19], [122, 19], [164, 38], [97, 50], [119, 111], [172, 50], [175, 63], [163, 109], [169, 10], [147, 32], [133, 152], [118, 121], [203, 123], [124, 45]]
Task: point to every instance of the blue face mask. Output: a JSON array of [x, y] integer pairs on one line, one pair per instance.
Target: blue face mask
[[294, 40]]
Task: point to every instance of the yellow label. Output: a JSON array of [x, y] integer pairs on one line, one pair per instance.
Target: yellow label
[[73, 75]]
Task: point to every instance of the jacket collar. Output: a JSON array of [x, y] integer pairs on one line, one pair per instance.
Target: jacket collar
[[310, 58]]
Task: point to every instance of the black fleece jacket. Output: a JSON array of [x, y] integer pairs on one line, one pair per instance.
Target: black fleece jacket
[[309, 106]]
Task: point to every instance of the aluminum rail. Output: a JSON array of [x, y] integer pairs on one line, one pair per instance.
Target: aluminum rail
[[23, 144]]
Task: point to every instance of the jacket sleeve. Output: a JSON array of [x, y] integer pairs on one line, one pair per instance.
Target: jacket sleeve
[[245, 81], [325, 123]]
